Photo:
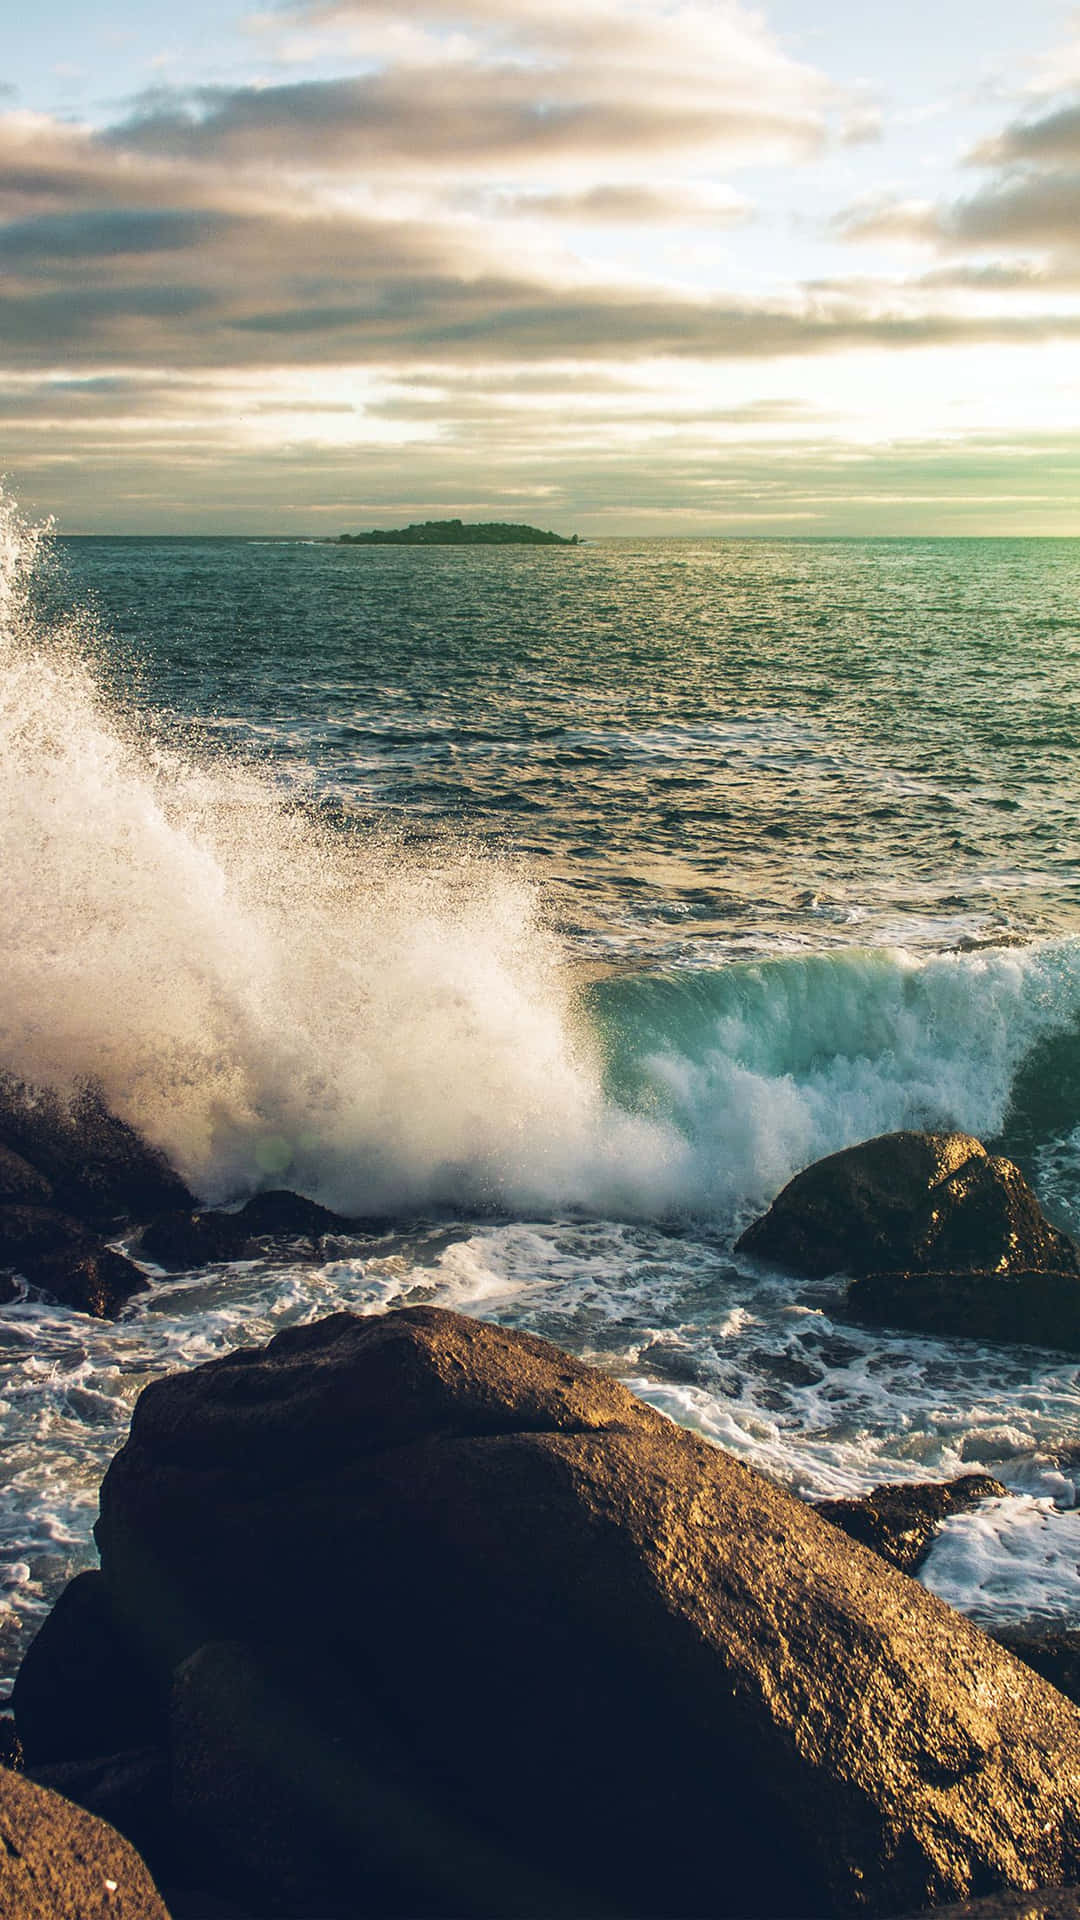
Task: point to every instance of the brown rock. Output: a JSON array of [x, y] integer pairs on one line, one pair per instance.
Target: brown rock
[[624, 1656], [58, 1862], [910, 1203], [901, 1521], [1052, 1651]]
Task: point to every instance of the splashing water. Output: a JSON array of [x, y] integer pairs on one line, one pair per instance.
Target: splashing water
[[264, 998]]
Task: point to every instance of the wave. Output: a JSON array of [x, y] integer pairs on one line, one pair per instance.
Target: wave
[[271, 999]]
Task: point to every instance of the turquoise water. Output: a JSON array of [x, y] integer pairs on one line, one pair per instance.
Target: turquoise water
[[558, 904]]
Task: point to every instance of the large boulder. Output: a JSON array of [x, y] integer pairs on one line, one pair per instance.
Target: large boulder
[[58, 1862], [910, 1203], [488, 1630], [97, 1167], [941, 1237]]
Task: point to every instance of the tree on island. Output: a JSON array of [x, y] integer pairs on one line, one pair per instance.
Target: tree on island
[[458, 533]]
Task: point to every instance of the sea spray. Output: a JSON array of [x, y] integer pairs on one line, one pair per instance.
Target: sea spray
[[270, 1000], [275, 1000]]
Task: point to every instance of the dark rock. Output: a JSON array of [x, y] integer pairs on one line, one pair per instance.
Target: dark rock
[[99, 1283], [9, 1289], [289, 1213], [1046, 1903], [11, 1754], [99, 1168], [302, 1804], [129, 1790], [27, 1233], [1054, 1652], [620, 1660], [180, 1241], [910, 1203], [22, 1184], [901, 1521], [1032, 1308], [59, 1255], [58, 1862], [81, 1690]]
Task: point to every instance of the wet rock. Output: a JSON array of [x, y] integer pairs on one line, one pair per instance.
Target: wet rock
[[616, 1659], [1031, 1308], [910, 1203], [29, 1233], [98, 1167], [81, 1690], [21, 1184], [58, 1862], [182, 1241], [100, 1282], [289, 1213], [900, 1522], [67, 1261]]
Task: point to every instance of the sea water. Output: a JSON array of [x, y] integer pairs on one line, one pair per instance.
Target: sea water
[[555, 905]]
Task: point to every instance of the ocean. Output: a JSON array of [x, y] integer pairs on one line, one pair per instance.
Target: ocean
[[555, 906]]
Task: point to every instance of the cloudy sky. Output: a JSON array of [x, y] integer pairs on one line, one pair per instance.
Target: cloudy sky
[[613, 266]]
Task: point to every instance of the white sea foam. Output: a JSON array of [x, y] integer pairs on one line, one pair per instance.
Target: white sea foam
[[1009, 1562]]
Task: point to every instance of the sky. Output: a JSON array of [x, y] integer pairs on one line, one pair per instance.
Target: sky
[[629, 267]]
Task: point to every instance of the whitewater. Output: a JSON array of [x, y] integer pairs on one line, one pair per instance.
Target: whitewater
[[554, 907]]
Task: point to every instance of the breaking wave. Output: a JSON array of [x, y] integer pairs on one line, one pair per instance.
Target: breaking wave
[[271, 999]]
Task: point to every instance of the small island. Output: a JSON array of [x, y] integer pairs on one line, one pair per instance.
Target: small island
[[458, 533]]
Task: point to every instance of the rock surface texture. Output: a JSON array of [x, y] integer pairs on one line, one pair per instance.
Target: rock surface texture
[[940, 1235], [901, 1521], [58, 1862], [445, 1622]]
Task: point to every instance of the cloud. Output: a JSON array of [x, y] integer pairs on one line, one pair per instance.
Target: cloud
[[1051, 139], [630, 205], [422, 118], [104, 234]]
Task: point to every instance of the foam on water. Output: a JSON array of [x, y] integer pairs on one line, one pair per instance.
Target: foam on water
[[1010, 1563]]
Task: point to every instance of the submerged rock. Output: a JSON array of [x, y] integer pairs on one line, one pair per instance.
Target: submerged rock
[[901, 1521], [910, 1203], [57, 1862], [556, 1655]]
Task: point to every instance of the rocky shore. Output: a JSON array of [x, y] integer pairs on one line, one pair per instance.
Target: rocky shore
[[568, 1659]]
